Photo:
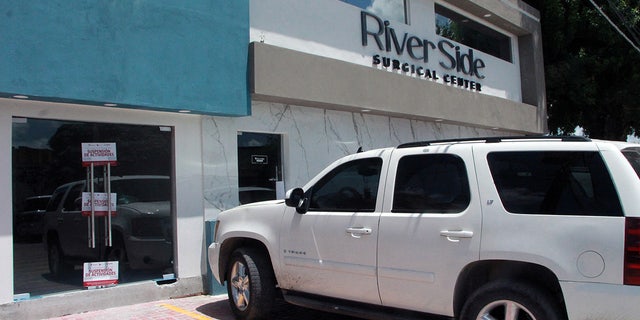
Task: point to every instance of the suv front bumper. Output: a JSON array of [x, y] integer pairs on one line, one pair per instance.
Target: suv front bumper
[[149, 253], [213, 253]]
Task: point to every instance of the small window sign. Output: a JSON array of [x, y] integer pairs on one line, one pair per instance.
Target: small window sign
[[100, 207], [259, 159], [100, 274], [99, 154]]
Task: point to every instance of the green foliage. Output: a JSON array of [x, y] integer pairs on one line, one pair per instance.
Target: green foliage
[[592, 72]]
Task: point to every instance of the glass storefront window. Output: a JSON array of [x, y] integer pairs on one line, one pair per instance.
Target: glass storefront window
[[395, 10], [463, 30], [51, 241]]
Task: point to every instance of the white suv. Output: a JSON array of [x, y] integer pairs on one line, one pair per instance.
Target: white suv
[[495, 228]]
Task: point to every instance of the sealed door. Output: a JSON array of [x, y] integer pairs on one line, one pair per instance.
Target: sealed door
[[259, 167]]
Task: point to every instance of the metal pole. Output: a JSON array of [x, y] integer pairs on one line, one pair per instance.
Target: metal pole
[[92, 244], [87, 183], [104, 189], [107, 227]]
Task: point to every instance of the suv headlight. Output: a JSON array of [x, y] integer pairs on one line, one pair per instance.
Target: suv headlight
[[149, 227]]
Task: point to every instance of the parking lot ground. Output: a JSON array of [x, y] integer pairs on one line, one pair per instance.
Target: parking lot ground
[[197, 307]]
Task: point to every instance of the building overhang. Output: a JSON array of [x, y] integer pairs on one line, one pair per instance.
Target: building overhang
[[291, 77]]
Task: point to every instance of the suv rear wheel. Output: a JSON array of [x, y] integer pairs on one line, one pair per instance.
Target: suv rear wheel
[[55, 257], [509, 301], [250, 284]]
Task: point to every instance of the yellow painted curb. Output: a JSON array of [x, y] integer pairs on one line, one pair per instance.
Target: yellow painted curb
[[191, 314]]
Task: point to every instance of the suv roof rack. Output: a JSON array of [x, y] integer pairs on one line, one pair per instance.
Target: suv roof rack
[[493, 140]]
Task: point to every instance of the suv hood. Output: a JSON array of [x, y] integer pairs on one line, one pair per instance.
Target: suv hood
[[260, 208], [162, 208], [261, 203]]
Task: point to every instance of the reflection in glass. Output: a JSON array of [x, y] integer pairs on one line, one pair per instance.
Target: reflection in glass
[[470, 33], [47, 164], [387, 9]]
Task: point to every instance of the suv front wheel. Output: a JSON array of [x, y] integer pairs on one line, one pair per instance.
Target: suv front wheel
[[509, 301], [250, 284]]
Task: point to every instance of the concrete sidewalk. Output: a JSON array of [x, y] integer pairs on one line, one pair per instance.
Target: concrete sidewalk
[[189, 308], [197, 307]]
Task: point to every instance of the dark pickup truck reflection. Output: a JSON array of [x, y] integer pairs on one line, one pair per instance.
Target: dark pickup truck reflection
[[28, 222], [141, 228]]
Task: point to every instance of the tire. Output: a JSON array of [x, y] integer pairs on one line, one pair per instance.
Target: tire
[[55, 257], [510, 301], [117, 252], [21, 231], [250, 284]]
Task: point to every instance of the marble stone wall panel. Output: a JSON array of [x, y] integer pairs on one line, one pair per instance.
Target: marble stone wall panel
[[312, 139]]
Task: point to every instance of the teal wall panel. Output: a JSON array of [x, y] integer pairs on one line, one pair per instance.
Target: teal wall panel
[[154, 54]]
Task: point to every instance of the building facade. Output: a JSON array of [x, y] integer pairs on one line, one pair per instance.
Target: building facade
[[230, 102]]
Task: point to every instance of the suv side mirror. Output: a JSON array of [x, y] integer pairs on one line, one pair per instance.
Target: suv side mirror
[[295, 198]]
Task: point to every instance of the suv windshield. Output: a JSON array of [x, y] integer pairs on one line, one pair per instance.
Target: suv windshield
[[633, 156], [36, 203], [142, 190]]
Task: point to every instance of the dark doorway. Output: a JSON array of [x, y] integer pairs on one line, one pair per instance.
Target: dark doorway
[[259, 166]]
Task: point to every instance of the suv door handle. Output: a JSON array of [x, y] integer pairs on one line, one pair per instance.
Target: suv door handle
[[357, 232], [454, 235]]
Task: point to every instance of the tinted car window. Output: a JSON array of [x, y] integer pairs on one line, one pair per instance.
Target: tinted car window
[[56, 198], [36, 203], [352, 186], [72, 203], [554, 182], [431, 184]]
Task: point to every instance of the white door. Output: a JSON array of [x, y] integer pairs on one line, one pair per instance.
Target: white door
[[331, 250], [429, 228]]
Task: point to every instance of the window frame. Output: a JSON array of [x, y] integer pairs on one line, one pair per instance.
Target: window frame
[[504, 48]]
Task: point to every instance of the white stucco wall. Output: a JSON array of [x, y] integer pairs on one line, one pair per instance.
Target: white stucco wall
[[332, 29], [6, 209]]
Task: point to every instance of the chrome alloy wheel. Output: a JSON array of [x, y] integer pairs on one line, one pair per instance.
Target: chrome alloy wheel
[[505, 310], [240, 286]]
